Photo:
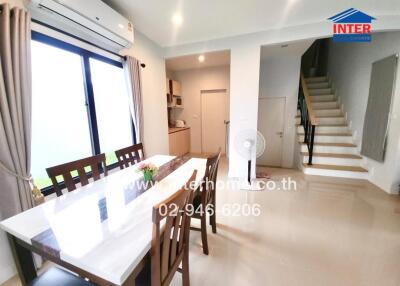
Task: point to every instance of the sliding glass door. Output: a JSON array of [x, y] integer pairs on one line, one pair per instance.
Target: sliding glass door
[[60, 129], [80, 106], [112, 108]]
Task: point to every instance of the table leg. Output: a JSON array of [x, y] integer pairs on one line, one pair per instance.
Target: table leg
[[23, 260]]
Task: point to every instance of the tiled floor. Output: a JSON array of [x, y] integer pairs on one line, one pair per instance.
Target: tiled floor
[[327, 232]]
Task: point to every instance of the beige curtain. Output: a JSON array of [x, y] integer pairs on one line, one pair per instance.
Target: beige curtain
[[134, 81], [15, 111]]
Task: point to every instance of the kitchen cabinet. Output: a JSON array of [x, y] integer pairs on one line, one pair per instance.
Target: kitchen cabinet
[[176, 88], [179, 141], [168, 86]]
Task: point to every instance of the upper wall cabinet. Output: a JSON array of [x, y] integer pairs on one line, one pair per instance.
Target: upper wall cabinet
[[168, 86], [176, 88]]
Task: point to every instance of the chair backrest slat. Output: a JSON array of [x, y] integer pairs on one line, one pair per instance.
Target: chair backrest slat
[[174, 238], [97, 164], [130, 155], [170, 243], [210, 179], [69, 181], [82, 176]]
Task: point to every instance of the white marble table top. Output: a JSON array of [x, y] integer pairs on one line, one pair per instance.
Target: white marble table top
[[109, 247]]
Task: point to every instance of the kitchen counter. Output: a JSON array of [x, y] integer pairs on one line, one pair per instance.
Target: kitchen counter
[[179, 140], [176, 129]]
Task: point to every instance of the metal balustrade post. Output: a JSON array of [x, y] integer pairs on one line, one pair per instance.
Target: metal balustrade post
[[311, 148]]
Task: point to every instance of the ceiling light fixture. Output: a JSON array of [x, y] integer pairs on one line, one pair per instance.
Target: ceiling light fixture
[[202, 58], [177, 19], [121, 26]]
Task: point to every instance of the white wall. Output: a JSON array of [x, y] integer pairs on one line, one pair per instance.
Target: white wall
[[279, 77], [245, 74], [193, 81], [350, 70], [154, 94]]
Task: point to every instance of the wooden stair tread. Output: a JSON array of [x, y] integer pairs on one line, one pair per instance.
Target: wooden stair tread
[[333, 144], [328, 125], [328, 134], [333, 125], [322, 101], [333, 155], [330, 116], [326, 108], [336, 167], [325, 116]]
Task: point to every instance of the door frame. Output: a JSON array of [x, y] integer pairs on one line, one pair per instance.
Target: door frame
[[202, 93], [283, 128]]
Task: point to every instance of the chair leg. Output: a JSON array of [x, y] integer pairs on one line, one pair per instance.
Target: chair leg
[[185, 268], [204, 233], [213, 218]]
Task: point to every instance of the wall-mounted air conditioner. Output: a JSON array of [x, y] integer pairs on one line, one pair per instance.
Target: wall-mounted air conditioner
[[90, 20]]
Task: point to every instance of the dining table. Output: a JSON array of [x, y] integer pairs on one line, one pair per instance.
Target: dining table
[[101, 231]]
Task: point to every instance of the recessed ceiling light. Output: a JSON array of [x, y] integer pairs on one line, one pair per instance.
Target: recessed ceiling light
[[121, 26], [177, 19], [202, 58]]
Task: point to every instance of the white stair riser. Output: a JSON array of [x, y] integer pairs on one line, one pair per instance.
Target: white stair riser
[[335, 173], [326, 129], [329, 97], [318, 85], [325, 105], [330, 149], [316, 79], [328, 112], [334, 161], [320, 91], [327, 120], [329, 139], [331, 120], [325, 112], [331, 129]]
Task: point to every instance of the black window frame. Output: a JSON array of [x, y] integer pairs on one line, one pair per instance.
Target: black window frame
[[85, 55]]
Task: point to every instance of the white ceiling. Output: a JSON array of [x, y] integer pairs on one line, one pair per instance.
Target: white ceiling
[[211, 19], [285, 50], [212, 59]]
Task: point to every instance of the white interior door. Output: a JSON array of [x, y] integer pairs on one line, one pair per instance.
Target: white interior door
[[271, 119], [214, 111]]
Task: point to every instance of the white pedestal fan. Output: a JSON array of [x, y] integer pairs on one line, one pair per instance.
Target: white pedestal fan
[[248, 142]]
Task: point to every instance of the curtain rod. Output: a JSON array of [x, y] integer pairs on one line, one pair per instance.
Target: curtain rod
[[143, 65]]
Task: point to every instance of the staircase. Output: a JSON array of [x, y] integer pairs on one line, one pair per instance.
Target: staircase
[[334, 152]]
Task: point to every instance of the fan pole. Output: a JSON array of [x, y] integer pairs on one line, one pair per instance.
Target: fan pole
[[249, 171]]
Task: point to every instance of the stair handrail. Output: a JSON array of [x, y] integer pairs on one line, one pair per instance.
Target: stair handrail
[[307, 117], [307, 98]]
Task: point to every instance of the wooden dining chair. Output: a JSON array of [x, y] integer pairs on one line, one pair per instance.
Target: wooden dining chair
[[96, 163], [205, 200], [170, 240], [130, 155]]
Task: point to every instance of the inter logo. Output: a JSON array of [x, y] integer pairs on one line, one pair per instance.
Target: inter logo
[[351, 26]]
